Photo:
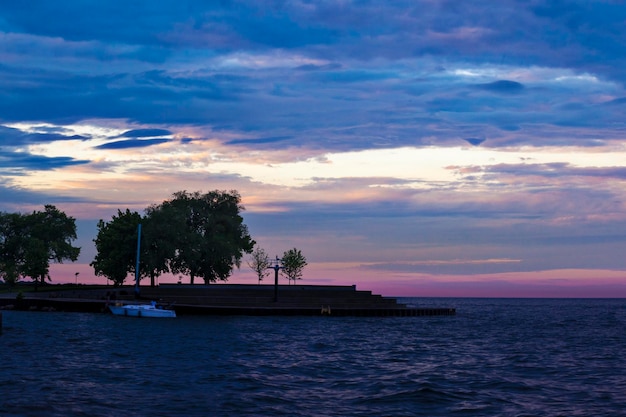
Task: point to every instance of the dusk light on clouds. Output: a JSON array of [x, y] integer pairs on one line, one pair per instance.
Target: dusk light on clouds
[[418, 148]]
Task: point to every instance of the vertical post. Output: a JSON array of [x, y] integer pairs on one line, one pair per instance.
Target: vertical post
[[276, 282], [276, 268], [137, 261]]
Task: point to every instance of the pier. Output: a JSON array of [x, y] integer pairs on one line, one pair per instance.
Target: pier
[[235, 299]]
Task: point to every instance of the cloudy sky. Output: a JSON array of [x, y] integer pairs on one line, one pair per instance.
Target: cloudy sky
[[427, 148]]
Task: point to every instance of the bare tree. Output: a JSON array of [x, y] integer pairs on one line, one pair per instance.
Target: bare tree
[[260, 262]]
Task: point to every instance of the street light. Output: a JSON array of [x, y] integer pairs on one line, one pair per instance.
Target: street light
[[277, 267]]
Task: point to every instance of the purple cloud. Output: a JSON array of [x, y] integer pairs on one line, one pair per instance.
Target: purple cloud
[[307, 79]]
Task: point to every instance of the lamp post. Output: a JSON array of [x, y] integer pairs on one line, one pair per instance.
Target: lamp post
[[76, 278], [277, 267]]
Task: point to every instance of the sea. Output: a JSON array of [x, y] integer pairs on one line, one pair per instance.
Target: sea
[[495, 357]]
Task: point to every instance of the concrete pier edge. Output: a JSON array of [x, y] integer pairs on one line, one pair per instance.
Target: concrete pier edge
[[231, 299]]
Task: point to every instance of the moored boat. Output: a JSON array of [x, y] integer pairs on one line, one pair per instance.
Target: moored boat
[[140, 310]]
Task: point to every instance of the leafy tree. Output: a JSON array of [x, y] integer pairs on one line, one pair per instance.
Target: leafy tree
[[116, 245], [158, 246], [260, 262], [49, 236], [183, 217], [293, 263], [200, 235], [210, 235], [12, 245], [28, 243]]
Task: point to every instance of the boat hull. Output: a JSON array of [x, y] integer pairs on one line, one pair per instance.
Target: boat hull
[[141, 310]]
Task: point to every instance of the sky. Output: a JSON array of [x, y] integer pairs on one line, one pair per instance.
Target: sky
[[412, 148]]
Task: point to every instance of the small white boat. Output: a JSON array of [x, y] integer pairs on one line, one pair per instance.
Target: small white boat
[[141, 310]]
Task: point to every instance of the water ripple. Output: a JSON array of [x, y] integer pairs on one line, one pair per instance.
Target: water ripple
[[496, 357]]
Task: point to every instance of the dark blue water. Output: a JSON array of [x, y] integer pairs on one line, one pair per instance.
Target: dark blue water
[[496, 357]]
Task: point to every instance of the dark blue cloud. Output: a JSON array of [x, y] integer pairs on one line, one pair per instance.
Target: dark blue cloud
[[22, 161], [276, 28], [591, 33], [63, 98], [544, 33], [475, 141], [267, 24], [145, 133], [313, 67], [259, 141], [14, 137], [87, 20], [350, 76], [357, 74], [132, 143], [144, 97], [503, 86]]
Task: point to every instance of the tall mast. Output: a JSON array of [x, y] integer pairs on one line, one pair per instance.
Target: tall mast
[[137, 261]]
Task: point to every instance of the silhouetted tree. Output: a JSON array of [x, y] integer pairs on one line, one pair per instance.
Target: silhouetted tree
[[28, 243], [260, 262], [12, 246], [209, 235], [116, 245], [293, 263], [158, 246], [49, 236], [200, 235]]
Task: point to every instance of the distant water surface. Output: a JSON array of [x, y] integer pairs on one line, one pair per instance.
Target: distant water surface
[[496, 357]]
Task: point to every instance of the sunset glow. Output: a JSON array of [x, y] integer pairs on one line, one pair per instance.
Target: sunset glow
[[446, 153]]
